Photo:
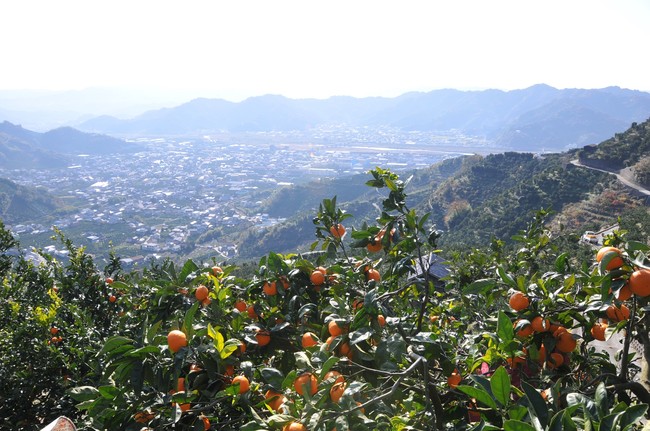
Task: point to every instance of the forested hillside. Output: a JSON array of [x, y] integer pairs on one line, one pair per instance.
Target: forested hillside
[[18, 203], [475, 198]]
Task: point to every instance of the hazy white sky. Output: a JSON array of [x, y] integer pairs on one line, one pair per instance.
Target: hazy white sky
[[312, 48]]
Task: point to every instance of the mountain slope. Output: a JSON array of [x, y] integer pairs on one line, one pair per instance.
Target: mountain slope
[[476, 198], [19, 150], [25, 149], [23, 204], [531, 119]]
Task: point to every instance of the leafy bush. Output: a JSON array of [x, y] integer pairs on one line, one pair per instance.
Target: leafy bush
[[387, 347]]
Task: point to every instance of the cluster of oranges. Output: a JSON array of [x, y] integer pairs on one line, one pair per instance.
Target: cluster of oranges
[[539, 333], [202, 293], [56, 336], [307, 382], [637, 283]]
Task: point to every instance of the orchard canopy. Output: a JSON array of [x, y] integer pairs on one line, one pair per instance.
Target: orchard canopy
[[355, 335]]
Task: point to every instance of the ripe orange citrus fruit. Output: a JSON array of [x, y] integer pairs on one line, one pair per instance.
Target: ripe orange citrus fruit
[[525, 330], [230, 370], [598, 331], [616, 314], [336, 391], [274, 399], [566, 343], [556, 360], [518, 301], [270, 288], [243, 382], [180, 384], [54, 330], [216, 271], [373, 274], [337, 230], [201, 292], [112, 298], [251, 312], [176, 340], [294, 426], [109, 280], [143, 417], [345, 350], [381, 320], [309, 339], [206, 423], [321, 269], [306, 381], [625, 293], [615, 262], [516, 360], [334, 328], [240, 305], [640, 282], [454, 379], [374, 246], [317, 278], [263, 337], [540, 324], [557, 331], [333, 374]]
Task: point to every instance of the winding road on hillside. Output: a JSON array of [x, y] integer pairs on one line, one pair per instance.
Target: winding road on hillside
[[621, 175]]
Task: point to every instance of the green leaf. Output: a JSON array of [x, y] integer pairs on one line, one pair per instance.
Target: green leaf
[[562, 262], [568, 424], [360, 335], [152, 331], [537, 403], [83, 393], [273, 377], [302, 360], [633, 415], [505, 331], [109, 392], [231, 346], [481, 286], [575, 398], [188, 269], [506, 278], [331, 361], [500, 385], [141, 352], [481, 395], [601, 399], [633, 246], [113, 343], [188, 322], [513, 425], [517, 412], [217, 338]]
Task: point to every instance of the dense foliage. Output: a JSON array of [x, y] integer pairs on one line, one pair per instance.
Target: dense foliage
[[18, 203], [345, 337], [623, 150]]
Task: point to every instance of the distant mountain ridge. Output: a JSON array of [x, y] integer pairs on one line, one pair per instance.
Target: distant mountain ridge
[[532, 119], [22, 148]]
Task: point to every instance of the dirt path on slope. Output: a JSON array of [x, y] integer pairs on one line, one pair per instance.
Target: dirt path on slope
[[624, 175]]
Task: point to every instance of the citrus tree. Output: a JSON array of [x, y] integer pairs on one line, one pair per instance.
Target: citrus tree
[[360, 334]]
